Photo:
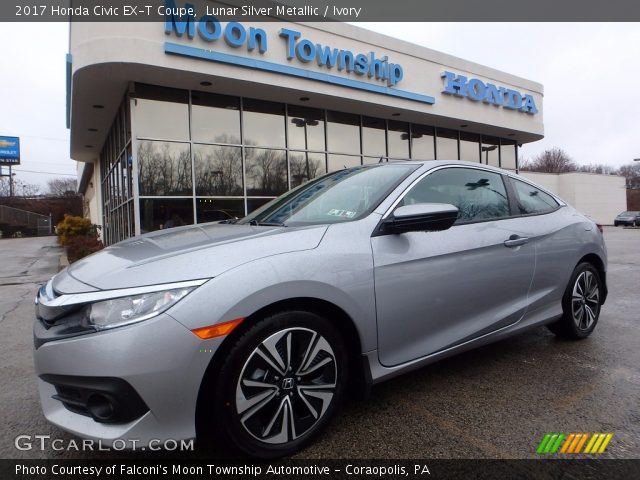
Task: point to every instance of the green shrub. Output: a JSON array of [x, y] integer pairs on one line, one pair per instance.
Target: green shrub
[[72, 226], [79, 236]]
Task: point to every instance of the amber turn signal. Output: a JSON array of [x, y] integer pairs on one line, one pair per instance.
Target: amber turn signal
[[217, 330]]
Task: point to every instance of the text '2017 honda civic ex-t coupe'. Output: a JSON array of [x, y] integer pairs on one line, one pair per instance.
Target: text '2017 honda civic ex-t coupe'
[[252, 329]]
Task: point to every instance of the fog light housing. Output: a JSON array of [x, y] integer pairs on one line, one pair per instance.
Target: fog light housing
[[105, 399]]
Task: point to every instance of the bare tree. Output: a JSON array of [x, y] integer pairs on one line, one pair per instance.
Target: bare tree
[[266, 172], [632, 173], [598, 168], [164, 169], [553, 160], [218, 170], [59, 187], [20, 188], [303, 168]]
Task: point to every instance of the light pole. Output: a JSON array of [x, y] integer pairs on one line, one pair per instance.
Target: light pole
[[488, 149], [410, 137], [10, 175]]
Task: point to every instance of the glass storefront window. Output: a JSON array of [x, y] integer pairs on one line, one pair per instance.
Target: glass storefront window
[[508, 154], [164, 168], [265, 172], [304, 166], [161, 113], [398, 139], [218, 170], [373, 137], [216, 209], [469, 147], [491, 151], [338, 162], [422, 142], [124, 169], [343, 132], [255, 203], [305, 128], [446, 144], [215, 118], [163, 213], [370, 160], [263, 123], [243, 152]]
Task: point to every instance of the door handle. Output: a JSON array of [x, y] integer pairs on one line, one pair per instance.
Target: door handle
[[515, 241]]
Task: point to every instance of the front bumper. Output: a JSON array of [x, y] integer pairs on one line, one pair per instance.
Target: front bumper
[[160, 359]]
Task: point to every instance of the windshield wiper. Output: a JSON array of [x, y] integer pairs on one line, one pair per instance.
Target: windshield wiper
[[255, 223]]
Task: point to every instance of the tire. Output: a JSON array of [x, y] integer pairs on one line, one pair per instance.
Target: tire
[[615, 224], [269, 411], [580, 304]]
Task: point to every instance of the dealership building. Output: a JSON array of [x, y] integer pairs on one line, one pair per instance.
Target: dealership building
[[197, 120]]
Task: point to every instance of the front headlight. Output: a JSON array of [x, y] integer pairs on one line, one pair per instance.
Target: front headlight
[[118, 312]]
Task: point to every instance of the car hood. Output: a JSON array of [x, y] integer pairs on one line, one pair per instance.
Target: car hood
[[181, 254]]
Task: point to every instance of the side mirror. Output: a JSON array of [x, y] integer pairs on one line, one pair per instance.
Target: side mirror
[[420, 217]]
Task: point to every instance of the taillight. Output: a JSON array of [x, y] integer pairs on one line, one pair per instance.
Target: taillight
[[600, 228]]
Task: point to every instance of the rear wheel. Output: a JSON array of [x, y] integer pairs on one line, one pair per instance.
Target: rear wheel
[[580, 304], [281, 384]]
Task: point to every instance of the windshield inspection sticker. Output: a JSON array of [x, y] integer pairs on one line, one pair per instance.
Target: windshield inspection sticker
[[341, 213]]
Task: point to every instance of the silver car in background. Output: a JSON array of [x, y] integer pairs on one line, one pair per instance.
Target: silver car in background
[[253, 330]]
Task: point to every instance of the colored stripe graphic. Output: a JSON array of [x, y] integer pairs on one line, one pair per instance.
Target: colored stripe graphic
[[572, 443], [550, 443], [543, 444], [567, 442], [594, 437], [583, 439]]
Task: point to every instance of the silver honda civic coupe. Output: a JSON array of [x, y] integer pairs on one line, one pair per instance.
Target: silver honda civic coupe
[[253, 330]]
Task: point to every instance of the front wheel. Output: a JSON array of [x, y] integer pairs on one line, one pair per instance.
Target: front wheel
[[281, 384], [580, 304]]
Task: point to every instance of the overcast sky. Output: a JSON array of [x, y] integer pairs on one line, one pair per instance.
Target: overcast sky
[[590, 73]]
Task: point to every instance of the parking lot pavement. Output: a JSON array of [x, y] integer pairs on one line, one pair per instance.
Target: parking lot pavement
[[495, 402]]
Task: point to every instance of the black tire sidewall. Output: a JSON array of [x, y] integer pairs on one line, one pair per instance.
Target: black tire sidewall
[[569, 323], [226, 416]]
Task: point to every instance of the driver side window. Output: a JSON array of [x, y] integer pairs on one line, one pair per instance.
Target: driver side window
[[478, 194]]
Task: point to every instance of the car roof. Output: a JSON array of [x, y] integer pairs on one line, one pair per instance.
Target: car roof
[[429, 164], [438, 163]]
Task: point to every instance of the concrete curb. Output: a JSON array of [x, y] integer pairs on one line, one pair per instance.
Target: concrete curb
[[63, 261]]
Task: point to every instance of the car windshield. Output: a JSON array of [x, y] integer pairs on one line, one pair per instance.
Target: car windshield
[[340, 196]]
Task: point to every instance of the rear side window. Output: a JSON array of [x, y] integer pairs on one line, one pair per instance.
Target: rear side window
[[532, 200], [478, 194]]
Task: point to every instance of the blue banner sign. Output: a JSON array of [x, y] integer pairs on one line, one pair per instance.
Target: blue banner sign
[[9, 151]]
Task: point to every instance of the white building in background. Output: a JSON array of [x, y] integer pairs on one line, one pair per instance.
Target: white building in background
[[187, 122], [602, 197], [174, 123]]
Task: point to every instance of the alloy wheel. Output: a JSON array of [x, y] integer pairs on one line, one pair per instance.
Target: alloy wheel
[[585, 300], [286, 385]]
